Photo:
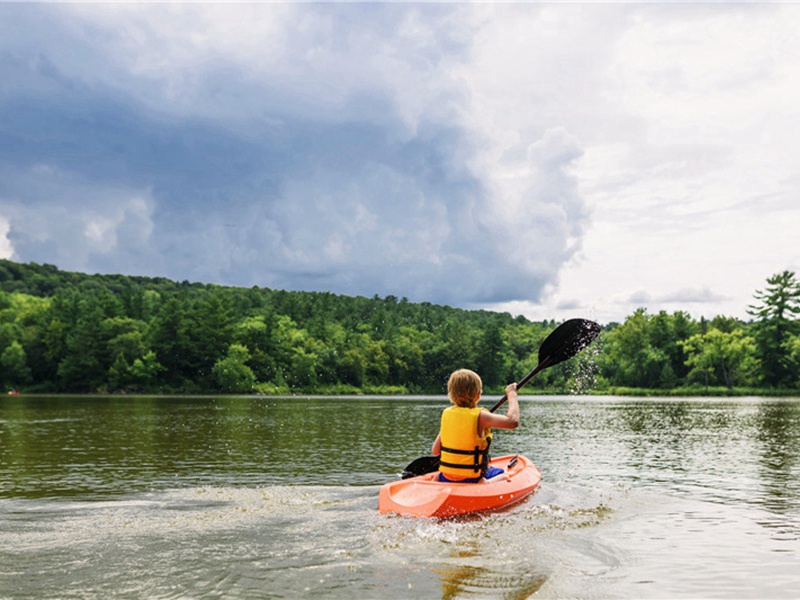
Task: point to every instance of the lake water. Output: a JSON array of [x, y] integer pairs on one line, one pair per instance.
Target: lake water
[[277, 498]]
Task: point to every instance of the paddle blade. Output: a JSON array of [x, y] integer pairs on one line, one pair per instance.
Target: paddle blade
[[420, 466], [567, 340]]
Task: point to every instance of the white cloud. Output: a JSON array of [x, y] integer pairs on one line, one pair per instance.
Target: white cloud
[[6, 249], [697, 195], [83, 225]]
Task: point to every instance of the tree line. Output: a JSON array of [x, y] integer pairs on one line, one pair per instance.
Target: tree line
[[72, 332]]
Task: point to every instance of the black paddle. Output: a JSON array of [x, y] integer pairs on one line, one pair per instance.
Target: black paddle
[[563, 343]]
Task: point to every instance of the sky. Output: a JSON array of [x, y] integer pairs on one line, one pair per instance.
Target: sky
[[553, 160]]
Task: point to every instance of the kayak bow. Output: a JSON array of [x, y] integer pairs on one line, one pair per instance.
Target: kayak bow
[[426, 496]]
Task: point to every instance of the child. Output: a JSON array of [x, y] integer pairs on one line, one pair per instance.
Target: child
[[466, 430]]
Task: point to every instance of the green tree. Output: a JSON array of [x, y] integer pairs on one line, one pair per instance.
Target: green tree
[[405, 358], [776, 311], [166, 333], [490, 358], [717, 357], [232, 373], [145, 371], [302, 372], [14, 366], [119, 374], [205, 335], [631, 358], [82, 367], [256, 334], [29, 319], [376, 363], [666, 331], [123, 336], [792, 348], [9, 332]]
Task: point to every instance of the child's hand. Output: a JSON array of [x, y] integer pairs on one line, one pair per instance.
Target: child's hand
[[511, 387]]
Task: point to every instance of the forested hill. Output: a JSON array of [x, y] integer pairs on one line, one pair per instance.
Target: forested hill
[[45, 280], [71, 332], [77, 332]]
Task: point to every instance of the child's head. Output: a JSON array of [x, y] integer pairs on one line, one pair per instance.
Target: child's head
[[464, 388]]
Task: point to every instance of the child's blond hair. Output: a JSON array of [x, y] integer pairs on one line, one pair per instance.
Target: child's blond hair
[[464, 388]]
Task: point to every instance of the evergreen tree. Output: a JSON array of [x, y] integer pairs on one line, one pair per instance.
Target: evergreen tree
[[490, 356], [777, 309], [83, 368]]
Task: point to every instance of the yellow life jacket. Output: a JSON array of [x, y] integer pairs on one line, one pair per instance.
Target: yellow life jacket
[[464, 454]]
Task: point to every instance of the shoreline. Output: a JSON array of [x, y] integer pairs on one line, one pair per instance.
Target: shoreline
[[616, 392]]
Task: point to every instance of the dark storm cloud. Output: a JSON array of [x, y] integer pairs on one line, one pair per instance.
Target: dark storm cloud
[[330, 155]]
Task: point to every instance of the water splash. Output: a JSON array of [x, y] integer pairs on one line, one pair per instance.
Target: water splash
[[585, 370]]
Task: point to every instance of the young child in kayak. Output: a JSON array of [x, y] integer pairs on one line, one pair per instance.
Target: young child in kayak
[[466, 430]]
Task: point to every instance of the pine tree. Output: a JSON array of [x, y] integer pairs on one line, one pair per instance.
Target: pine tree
[[777, 310]]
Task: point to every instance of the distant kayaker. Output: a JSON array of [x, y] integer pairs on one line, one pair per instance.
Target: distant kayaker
[[466, 430]]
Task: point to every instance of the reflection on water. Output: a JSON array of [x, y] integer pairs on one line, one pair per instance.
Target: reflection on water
[[459, 580], [778, 427], [63, 446], [210, 497]]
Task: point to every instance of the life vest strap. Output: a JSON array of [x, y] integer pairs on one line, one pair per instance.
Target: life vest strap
[[465, 452], [481, 458]]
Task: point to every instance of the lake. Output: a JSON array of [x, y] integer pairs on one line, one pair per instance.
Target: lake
[[164, 497]]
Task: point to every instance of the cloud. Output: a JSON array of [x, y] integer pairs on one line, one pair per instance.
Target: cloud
[[678, 297], [295, 146], [693, 296], [6, 249], [639, 297], [52, 214], [510, 156]]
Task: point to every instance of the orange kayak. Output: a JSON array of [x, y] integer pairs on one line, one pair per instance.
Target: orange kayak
[[425, 496]]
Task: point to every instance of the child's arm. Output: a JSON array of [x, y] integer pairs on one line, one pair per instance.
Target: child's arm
[[510, 420], [436, 449]]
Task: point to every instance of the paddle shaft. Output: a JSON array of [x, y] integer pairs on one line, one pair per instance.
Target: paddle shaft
[[541, 366]]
